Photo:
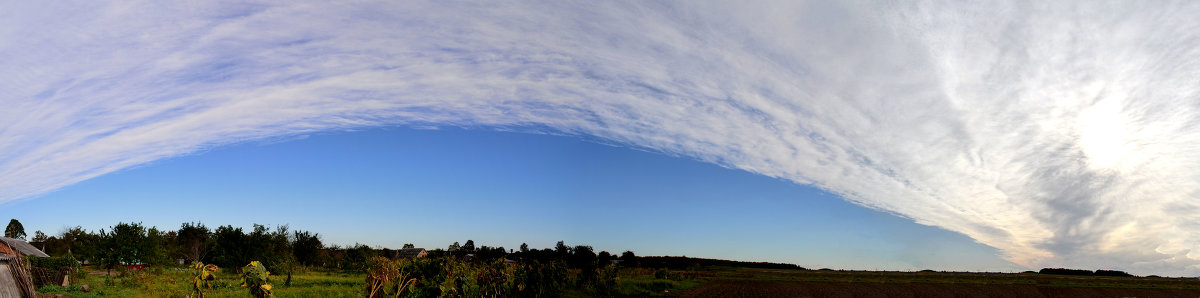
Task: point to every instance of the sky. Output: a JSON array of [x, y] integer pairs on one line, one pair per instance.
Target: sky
[[1059, 134], [388, 187]]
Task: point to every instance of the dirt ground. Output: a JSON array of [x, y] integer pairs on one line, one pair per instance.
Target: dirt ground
[[753, 288]]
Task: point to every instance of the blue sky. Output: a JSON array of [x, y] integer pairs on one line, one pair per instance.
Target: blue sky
[[390, 186], [1059, 134]]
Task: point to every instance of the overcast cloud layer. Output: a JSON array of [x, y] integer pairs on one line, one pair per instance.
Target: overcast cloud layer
[[1063, 134]]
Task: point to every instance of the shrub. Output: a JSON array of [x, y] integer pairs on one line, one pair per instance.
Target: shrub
[[55, 262], [661, 273], [256, 277], [51, 270], [606, 280]]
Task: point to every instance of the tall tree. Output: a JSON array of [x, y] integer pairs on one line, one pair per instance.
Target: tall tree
[[284, 259], [232, 247], [127, 244], [604, 257], [469, 246], [628, 259], [195, 241], [15, 230], [153, 249], [38, 236], [409, 245], [305, 246], [84, 245], [562, 249]]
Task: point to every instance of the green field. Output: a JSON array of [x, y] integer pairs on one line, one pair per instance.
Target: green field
[[176, 282]]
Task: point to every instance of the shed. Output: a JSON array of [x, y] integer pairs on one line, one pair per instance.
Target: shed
[[14, 277], [409, 253], [10, 245]]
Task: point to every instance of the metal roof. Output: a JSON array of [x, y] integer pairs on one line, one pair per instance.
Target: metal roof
[[24, 247]]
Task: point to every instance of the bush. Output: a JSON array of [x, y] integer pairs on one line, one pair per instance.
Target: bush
[[50, 271], [54, 262], [661, 273], [606, 280]]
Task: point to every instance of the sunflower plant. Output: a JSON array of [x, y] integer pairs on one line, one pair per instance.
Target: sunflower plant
[[202, 276], [257, 279]]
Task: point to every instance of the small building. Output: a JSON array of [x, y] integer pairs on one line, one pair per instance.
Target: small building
[[14, 277], [12, 246], [409, 253]]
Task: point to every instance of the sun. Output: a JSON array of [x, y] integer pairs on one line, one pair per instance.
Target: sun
[[1103, 134]]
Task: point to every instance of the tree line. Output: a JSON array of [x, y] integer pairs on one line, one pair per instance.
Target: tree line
[[226, 246], [278, 248], [281, 249]]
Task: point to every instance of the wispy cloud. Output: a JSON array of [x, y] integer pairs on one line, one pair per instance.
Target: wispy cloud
[[1060, 133]]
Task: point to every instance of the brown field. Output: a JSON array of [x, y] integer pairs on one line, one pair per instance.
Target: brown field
[[808, 283], [755, 288]]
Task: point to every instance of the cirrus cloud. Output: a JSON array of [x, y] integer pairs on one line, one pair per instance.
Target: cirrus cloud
[[1060, 133]]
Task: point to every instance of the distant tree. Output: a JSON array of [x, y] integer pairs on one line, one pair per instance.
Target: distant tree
[[454, 247], [83, 245], [271, 248], [232, 247], [282, 248], [15, 230], [126, 244], [437, 253], [1112, 273], [1065, 271], [38, 236], [604, 257], [409, 245], [628, 259], [582, 257], [153, 248], [469, 246], [305, 246], [194, 240], [524, 248], [357, 257], [562, 250]]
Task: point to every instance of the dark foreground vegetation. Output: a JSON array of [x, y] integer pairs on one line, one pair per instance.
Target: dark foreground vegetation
[[196, 261]]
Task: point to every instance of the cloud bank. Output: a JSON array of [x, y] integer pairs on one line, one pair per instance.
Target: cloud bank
[[1063, 134]]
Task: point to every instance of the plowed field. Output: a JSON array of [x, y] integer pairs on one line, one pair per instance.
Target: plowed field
[[756, 288]]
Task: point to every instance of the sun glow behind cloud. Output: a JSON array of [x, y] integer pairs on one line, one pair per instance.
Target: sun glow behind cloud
[[1059, 133], [1103, 134]]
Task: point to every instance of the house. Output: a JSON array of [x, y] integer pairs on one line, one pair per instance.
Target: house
[[14, 277], [409, 253]]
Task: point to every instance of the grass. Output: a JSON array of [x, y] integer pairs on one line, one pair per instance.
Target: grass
[[643, 282], [174, 282]]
